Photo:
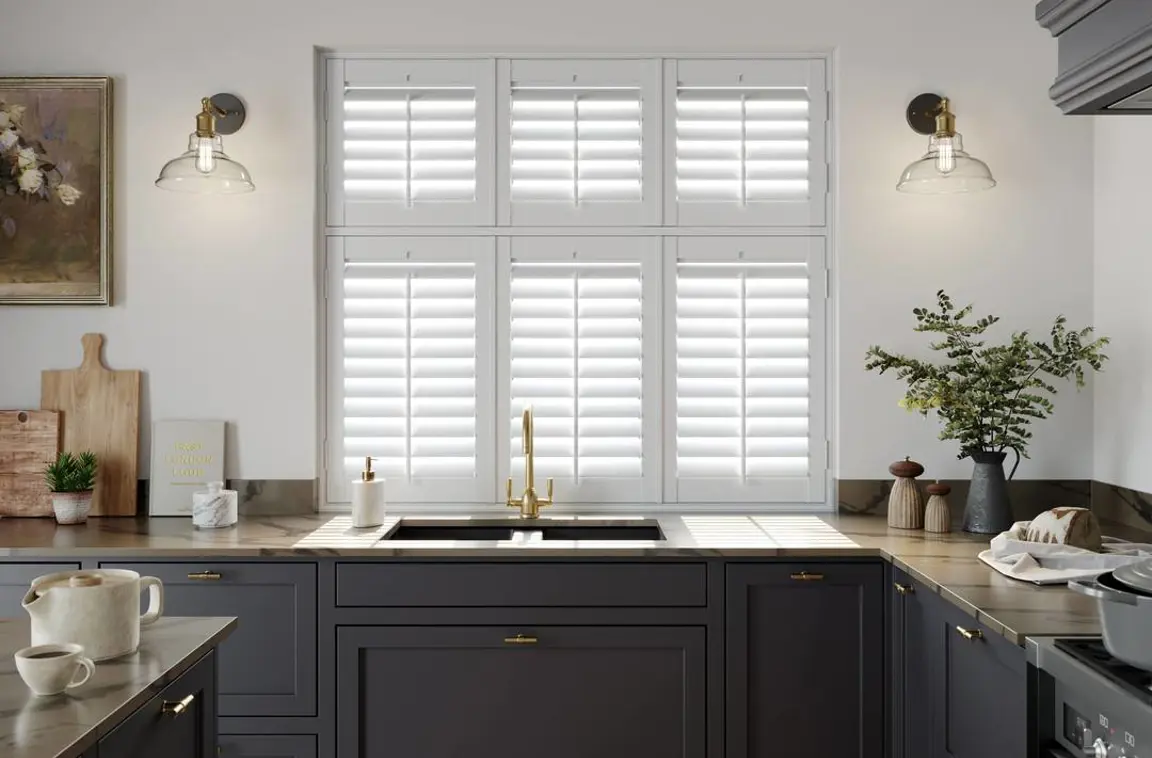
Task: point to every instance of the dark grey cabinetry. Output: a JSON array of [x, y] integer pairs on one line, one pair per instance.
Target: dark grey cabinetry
[[15, 578], [804, 667], [268, 666], [559, 691], [981, 688], [911, 667], [267, 746], [156, 730]]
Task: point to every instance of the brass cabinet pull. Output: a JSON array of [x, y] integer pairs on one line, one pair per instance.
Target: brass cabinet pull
[[520, 639], [905, 589], [175, 708], [205, 576], [970, 634], [805, 576]]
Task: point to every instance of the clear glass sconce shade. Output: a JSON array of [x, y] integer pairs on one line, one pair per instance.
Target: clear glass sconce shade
[[205, 169], [945, 169]]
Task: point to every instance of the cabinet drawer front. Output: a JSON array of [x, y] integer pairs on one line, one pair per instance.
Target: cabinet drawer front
[[436, 692], [151, 731], [268, 666], [16, 578], [571, 585]]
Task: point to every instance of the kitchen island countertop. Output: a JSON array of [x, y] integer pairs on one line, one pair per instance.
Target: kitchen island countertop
[[65, 726]]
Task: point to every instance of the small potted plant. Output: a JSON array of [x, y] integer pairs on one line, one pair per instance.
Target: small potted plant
[[71, 478]]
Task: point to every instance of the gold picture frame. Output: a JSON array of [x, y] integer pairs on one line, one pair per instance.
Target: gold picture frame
[[56, 190]]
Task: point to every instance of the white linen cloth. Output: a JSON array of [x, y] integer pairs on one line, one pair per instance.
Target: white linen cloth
[[1046, 563]]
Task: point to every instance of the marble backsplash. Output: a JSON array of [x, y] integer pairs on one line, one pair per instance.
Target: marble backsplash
[[1128, 507], [1029, 496]]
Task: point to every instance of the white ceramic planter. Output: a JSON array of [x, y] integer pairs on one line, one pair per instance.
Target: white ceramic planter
[[72, 507]]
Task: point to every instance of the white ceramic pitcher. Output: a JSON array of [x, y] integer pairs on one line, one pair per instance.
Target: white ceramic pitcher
[[97, 609]]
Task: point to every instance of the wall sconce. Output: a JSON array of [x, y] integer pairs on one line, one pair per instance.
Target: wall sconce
[[945, 168], [205, 168]]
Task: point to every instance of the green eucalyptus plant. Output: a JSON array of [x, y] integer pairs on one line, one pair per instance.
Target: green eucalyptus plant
[[987, 395], [71, 473]]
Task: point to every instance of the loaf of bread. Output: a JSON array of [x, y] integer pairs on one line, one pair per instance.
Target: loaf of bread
[[1076, 527]]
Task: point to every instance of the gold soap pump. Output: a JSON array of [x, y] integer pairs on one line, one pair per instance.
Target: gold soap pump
[[367, 498]]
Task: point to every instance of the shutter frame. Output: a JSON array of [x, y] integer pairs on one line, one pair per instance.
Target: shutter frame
[[559, 77], [643, 251], [421, 78], [473, 253], [809, 488], [712, 76]]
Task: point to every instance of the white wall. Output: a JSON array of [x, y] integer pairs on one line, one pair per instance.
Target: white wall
[[1123, 271], [215, 296]]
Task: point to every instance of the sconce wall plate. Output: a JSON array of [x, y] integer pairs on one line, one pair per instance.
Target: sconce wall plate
[[234, 113], [921, 113]]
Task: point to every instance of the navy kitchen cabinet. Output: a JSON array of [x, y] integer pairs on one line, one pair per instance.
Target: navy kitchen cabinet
[[268, 666], [267, 746], [911, 665], [805, 659], [521, 691]]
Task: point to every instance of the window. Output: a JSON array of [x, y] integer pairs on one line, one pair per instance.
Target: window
[[406, 319], [637, 248], [409, 142], [750, 142], [584, 142], [582, 350], [747, 399]]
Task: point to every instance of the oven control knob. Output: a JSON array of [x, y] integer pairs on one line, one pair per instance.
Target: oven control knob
[[1100, 749], [1086, 740]]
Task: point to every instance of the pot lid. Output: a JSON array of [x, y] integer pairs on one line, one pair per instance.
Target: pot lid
[[1136, 575]]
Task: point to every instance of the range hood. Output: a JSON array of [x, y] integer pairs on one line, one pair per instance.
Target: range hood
[[1105, 54]]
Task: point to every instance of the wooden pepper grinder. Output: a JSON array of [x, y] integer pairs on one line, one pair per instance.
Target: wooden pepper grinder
[[938, 517], [905, 503]]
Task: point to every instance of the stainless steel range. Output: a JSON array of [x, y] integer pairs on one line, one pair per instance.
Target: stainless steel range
[[1087, 703]]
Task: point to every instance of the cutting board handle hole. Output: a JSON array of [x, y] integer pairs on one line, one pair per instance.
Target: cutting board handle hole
[[22, 417]]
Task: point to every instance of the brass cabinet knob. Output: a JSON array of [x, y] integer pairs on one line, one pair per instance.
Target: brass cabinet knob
[[205, 576], [970, 634], [176, 707], [905, 589], [807, 576]]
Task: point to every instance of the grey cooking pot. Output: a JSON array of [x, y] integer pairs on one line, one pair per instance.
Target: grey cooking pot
[[1124, 597]]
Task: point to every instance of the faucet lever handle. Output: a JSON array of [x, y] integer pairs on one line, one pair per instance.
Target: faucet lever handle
[[510, 503], [549, 499]]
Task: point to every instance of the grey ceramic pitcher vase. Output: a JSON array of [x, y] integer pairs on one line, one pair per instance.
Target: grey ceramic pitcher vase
[[989, 510]]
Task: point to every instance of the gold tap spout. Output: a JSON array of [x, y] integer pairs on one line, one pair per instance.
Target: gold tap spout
[[529, 503]]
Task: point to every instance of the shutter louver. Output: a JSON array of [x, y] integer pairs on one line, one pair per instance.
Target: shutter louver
[[410, 343], [750, 142], [576, 359], [742, 145], [576, 145], [745, 364], [410, 146]]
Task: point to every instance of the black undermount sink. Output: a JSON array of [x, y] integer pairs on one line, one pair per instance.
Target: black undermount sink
[[496, 530]]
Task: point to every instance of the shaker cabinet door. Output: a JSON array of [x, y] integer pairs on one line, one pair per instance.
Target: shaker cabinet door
[[484, 692], [911, 667], [268, 666], [805, 654]]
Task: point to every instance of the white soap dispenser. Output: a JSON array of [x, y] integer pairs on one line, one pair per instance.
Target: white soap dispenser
[[367, 498]]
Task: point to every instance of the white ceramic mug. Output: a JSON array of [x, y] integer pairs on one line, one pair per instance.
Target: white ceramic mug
[[51, 669]]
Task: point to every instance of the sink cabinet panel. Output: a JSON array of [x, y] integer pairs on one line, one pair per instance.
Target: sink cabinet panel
[[442, 692], [804, 658]]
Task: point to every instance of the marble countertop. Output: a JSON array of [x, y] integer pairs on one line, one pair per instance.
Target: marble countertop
[[946, 563], [64, 726]]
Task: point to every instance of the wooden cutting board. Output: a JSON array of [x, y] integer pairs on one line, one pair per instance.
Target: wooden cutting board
[[101, 413], [28, 440]]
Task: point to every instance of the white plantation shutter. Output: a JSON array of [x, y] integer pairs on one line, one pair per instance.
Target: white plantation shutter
[[581, 349], [583, 144], [746, 370], [410, 142], [750, 142], [411, 370]]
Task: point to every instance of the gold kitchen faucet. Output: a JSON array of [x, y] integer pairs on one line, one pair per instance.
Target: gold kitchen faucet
[[529, 503]]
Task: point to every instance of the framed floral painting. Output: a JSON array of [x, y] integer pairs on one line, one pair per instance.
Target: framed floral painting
[[56, 191]]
